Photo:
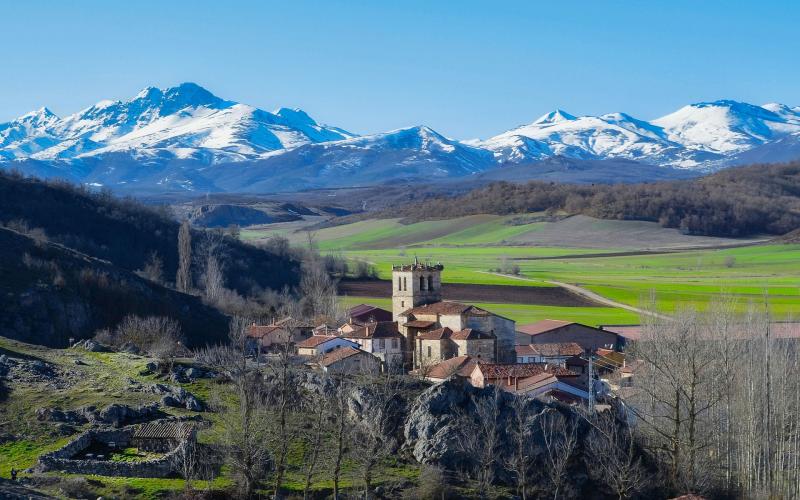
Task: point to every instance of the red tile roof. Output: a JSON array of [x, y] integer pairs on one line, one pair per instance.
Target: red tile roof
[[444, 307], [379, 330], [545, 325], [551, 349], [366, 312], [420, 324], [460, 365], [316, 340], [471, 334], [520, 370], [337, 355], [438, 334], [261, 331]]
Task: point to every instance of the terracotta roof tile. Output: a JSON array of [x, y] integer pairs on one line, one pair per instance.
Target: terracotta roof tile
[[443, 307], [551, 349], [471, 334], [316, 340], [520, 370], [543, 326], [261, 331], [420, 324], [460, 365], [379, 330], [339, 354], [438, 334]]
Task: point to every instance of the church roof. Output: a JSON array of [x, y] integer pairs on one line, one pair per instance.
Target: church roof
[[441, 307]]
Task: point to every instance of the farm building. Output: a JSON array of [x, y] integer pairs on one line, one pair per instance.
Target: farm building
[[552, 331], [364, 313], [163, 437], [556, 353]]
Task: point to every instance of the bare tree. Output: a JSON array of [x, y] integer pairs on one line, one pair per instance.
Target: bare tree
[[559, 435], [320, 299], [479, 438], [613, 457], [521, 433], [314, 440], [374, 426], [212, 257], [341, 430], [183, 279], [153, 269]]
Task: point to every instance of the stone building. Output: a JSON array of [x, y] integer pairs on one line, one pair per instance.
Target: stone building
[[418, 307], [163, 436], [350, 360], [443, 343], [414, 285]]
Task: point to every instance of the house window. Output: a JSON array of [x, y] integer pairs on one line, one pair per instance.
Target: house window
[[395, 343], [380, 344], [422, 282], [402, 303], [405, 283], [399, 285], [429, 352]]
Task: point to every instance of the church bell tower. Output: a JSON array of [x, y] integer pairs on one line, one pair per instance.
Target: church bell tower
[[415, 285]]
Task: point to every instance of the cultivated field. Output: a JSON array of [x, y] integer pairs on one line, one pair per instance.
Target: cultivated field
[[625, 261]]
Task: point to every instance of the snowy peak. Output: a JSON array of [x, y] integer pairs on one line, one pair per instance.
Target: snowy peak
[[724, 126], [184, 121], [556, 116]]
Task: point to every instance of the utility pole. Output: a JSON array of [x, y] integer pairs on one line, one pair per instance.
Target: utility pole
[[591, 383]]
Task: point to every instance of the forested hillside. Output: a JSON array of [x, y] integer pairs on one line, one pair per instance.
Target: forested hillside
[[128, 234], [757, 199]]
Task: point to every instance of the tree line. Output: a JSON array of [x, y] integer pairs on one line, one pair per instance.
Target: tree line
[[758, 199]]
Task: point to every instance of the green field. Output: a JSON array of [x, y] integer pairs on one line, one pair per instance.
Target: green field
[[470, 247]]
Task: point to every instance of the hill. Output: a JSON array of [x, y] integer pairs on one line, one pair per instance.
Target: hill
[[758, 199], [50, 293], [126, 233]]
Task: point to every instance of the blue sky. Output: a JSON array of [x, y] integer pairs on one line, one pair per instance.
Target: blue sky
[[466, 68]]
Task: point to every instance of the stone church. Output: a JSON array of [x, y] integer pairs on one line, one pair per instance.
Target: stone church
[[434, 329]]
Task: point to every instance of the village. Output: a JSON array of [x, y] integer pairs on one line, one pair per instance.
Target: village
[[435, 340]]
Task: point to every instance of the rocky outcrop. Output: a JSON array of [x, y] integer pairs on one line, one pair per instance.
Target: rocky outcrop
[[433, 428], [90, 345], [177, 397], [116, 415]]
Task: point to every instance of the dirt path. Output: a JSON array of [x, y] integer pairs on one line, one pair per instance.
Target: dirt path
[[587, 294]]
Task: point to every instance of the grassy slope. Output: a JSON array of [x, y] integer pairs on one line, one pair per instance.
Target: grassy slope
[[103, 381]]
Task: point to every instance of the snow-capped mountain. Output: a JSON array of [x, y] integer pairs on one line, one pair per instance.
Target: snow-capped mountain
[[700, 135], [186, 138], [181, 122]]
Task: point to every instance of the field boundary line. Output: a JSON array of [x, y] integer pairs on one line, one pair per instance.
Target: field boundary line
[[588, 294]]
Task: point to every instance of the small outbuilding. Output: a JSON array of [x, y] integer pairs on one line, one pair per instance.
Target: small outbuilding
[[162, 437]]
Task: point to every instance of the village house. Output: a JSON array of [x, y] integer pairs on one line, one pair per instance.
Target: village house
[[164, 436], [381, 339], [460, 367], [550, 331], [556, 353], [418, 307], [365, 313], [318, 345], [266, 338], [536, 379], [443, 343], [350, 360]]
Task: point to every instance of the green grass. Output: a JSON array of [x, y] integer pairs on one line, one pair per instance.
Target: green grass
[[470, 246], [525, 313], [134, 455]]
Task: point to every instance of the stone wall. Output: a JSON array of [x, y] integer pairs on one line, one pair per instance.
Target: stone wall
[[61, 459]]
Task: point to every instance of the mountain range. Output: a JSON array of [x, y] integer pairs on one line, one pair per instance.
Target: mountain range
[[185, 138]]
